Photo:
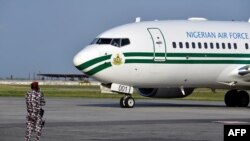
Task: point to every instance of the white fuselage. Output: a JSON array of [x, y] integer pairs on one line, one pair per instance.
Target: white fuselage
[[163, 54]]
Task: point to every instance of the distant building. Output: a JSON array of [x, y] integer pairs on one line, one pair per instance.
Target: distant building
[[70, 77]]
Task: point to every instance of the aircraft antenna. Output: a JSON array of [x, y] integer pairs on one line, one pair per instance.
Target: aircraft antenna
[[138, 19], [197, 19]]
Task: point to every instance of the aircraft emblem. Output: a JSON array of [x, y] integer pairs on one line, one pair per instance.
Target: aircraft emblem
[[117, 60]]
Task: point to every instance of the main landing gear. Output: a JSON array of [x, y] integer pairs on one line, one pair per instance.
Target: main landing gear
[[235, 98], [127, 101]]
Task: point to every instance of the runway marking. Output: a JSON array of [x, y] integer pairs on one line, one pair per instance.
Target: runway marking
[[232, 122]]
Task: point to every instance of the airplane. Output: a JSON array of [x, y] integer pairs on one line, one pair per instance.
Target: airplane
[[169, 59]]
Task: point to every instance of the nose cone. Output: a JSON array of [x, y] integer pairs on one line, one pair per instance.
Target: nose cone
[[81, 59]]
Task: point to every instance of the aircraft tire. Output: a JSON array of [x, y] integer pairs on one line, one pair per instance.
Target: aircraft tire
[[122, 102], [243, 99], [129, 102], [231, 98]]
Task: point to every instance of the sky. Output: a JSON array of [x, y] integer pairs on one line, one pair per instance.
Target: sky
[[42, 36]]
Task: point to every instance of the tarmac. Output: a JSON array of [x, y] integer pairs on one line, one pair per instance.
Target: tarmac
[[76, 119]]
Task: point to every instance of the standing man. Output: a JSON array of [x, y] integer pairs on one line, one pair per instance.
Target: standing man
[[34, 102]]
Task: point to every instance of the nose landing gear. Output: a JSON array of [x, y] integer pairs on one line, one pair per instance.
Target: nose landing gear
[[234, 98], [127, 101]]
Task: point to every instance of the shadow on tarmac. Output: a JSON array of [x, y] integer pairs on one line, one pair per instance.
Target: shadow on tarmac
[[151, 104]]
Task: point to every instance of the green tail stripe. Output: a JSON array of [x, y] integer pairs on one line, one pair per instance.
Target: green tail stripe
[[99, 68], [92, 62], [188, 61]]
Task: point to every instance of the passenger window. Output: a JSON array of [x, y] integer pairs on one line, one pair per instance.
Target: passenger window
[[235, 46], [193, 45], [229, 46], [205, 45], [174, 44], [187, 45], [104, 41], [223, 46], [217, 45], [116, 42], [199, 45], [246, 45], [180, 45], [125, 42], [211, 45]]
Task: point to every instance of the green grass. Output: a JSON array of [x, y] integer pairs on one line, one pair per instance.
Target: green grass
[[206, 95], [94, 92], [57, 91]]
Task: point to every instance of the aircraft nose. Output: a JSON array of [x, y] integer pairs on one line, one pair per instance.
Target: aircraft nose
[[81, 59]]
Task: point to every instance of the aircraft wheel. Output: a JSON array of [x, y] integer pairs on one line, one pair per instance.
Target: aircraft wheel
[[243, 99], [231, 98], [129, 102], [122, 102]]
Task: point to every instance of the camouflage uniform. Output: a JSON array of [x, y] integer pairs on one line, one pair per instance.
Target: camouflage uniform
[[34, 102]]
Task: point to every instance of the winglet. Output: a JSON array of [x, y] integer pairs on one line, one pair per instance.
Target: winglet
[[249, 20]]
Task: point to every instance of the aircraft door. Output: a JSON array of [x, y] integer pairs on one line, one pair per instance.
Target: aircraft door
[[159, 44]]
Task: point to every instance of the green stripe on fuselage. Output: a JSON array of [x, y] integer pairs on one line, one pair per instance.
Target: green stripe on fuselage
[[220, 55], [92, 62], [151, 61], [99, 68], [168, 61]]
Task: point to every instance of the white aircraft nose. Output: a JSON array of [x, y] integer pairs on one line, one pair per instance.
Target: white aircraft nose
[[81, 59]]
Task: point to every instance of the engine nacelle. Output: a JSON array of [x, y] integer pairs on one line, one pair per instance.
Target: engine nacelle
[[164, 92]]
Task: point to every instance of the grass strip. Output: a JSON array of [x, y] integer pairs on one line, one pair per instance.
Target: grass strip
[[94, 92]]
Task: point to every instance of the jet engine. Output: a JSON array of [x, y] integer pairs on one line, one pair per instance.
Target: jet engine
[[164, 92]]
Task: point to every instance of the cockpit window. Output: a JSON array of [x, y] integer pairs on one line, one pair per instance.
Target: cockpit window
[[104, 41], [125, 42], [118, 42]]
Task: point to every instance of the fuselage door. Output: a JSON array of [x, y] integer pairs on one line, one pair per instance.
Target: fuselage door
[[159, 44]]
